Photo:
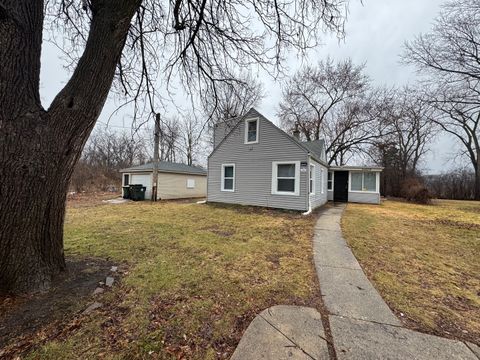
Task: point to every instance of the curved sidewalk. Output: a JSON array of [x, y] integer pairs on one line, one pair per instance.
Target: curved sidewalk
[[360, 324]]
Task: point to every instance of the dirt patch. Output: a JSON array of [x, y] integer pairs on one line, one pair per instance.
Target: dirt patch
[[274, 259], [456, 224], [23, 318], [183, 344], [218, 231], [247, 209], [89, 199], [472, 209]]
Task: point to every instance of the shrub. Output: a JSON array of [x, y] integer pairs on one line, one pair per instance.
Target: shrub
[[414, 190]]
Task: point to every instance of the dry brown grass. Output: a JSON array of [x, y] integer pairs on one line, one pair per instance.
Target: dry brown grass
[[424, 260]]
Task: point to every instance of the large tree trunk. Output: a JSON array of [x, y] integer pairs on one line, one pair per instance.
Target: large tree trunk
[[38, 148], [33, 187]]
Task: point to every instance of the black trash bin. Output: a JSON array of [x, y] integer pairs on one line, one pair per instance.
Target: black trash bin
[[137, 192], [126, 192]]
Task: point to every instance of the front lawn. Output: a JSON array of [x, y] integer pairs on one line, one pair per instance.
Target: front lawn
[[424, 260], [194, 276]]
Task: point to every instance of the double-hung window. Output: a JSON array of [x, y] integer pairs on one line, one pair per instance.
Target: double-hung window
[[363, 181], [312, 179], [228, 177], [286, 177], [330, 181], [251, 131]]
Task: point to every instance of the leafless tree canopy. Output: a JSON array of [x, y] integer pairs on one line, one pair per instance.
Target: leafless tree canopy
[[457, 184], [332, 100], [232, 100], [412, 130], [204, 43], [105, 153], [449, 59]]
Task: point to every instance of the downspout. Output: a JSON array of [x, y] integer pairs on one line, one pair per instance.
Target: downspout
[[309, 211]]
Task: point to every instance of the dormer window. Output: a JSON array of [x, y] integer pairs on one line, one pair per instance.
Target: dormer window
[[251, 131]]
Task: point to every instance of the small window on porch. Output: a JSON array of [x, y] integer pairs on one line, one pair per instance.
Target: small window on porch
[[126, 179], [330, 181]]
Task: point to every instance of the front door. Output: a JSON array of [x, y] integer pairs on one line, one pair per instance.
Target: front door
[[340, 186]]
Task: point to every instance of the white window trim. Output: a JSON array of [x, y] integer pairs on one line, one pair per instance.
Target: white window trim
[[377, 182], [312, 170], [246, 130], [333, 180], [274, 178], [192, 181], [223, 178]]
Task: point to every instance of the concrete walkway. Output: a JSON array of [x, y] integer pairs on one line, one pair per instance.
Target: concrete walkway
[[361, 325]]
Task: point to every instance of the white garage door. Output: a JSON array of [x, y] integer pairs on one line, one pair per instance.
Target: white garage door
[[145, 180]]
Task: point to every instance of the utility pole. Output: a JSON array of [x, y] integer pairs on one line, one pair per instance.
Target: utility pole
[[155, 157]]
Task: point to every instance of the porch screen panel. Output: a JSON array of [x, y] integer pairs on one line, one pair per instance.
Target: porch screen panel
[[370, 181], [356, 181]]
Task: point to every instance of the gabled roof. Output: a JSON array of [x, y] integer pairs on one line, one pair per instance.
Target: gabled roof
[[316, 147], [312, 148], [170, 167]]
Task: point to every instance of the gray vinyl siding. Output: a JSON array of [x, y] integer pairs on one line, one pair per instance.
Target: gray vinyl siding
[[319, 198], [221, 130], [330, 195], [364, 197], [253, 167]]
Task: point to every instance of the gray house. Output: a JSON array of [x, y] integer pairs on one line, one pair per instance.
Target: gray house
[[256, 163]]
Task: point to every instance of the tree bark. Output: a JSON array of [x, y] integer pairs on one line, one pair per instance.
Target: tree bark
[[39, 148]]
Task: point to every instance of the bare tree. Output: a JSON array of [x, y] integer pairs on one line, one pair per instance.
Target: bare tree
[[353, 126], [204, 43], [169, 138], [190, 132], [331, 101], [406, 134], [449, 59], [105, 153], [412, 130], [232, 100], [458, 184]]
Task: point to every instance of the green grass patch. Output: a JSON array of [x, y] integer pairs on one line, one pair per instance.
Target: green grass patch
[[197, 275]]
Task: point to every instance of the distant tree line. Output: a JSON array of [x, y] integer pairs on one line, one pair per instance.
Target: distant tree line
[[107, 151], [456, 184]]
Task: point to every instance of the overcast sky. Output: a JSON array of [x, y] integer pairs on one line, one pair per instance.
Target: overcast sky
[[376, 32]]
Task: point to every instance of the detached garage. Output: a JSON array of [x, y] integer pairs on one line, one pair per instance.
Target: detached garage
[[175, 181]]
